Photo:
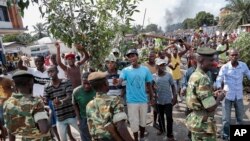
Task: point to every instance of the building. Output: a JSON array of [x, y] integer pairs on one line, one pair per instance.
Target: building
[[10, 23], [245, 28], [223, 12]]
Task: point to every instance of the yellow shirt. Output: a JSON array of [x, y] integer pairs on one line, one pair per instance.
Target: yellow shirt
[[177, 72]]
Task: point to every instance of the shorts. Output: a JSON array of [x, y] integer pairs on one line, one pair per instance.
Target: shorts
[[137, 114]]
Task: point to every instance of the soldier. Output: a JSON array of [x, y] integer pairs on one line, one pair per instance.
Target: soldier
[[105, 114], [24, 114], [201, 99]]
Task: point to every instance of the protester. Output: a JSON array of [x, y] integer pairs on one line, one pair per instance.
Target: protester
[[231, 75], [40, 75], [175, 62], [81, 96], [137, 77], [60, 92], [166, 98], [73, 68]]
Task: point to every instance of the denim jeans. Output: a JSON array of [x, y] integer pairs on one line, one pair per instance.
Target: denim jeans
[[1, 115], [62, 127], [226, 114], [84, 131]]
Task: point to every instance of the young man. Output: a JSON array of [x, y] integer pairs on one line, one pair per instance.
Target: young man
[[175, 62], [72, 70], [24, 114], [60, 92], [137, 77], [200, 98], [81, 96], [166, 97], [105, 114], [40, 75], [232, 74]]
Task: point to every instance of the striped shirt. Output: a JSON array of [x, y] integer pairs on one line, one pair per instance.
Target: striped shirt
[[114, 90], [65, 110]]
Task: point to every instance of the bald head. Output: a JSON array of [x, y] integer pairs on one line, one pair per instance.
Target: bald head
[[233, 51]]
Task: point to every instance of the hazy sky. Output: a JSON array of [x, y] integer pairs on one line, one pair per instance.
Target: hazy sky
[[161, 12]]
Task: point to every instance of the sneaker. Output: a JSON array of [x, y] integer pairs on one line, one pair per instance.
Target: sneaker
[[157, 126], [146, 133], [159, 133]]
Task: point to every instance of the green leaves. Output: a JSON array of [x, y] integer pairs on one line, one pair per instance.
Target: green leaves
[[239, 13], [243, 45], [92, 23]]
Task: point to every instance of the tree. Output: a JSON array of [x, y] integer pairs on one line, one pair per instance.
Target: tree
[[242, 43], [153, 28], [40, 30], [189, 23], [91, 23], [239, 14], [203, 18], [22, 38]]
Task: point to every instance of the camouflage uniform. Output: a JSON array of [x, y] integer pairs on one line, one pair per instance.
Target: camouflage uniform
[[102, 111], [200, 97], [19, 119]]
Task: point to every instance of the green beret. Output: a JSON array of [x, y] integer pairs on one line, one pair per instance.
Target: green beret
[[21, 73], [206, 51], [96, 76]]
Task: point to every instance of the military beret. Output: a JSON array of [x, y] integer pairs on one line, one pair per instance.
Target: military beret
[[96, 76], [206, 51], [21, 73], [69, 55]]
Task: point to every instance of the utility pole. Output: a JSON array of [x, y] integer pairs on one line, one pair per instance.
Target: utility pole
[[144, 17]]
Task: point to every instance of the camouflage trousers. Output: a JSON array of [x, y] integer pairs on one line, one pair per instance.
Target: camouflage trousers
[[203, 136]]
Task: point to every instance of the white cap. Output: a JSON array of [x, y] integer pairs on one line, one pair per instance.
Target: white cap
[[159, 61]]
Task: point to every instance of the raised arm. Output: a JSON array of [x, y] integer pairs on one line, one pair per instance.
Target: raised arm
[[83, 53], [187, 47], [58, 58], [166, 50]]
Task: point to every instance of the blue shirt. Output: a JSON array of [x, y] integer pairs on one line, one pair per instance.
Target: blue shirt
[[163, 86], [136, 79], [233, 79], [184, 81]]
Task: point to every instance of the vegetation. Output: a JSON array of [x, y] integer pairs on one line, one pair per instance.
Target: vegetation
[[40, 30], [239, 14], [92, 23], [23, 38], [202, 18], [242, 43]]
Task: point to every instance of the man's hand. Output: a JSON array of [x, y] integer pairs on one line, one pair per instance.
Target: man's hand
[[57, 102], [220, 94], [174, 100], [183, 91], [110, 128], [57, 45]]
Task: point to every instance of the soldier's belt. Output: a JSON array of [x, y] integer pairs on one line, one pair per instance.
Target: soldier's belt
[[203, 113]]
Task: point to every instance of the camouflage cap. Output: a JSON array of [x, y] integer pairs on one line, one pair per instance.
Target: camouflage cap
[[22, 73], [97, 76], [206, 51]]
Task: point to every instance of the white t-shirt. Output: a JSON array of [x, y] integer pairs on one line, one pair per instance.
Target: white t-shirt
[[40, 79], [61, 73]]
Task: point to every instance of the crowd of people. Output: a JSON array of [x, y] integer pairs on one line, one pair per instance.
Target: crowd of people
[[41, 103]]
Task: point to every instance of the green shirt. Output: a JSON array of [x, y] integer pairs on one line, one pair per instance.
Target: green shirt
[[82, 98]]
